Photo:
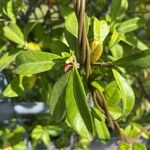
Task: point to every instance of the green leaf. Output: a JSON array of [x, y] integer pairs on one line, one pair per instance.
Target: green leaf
[[37, 132], [13, 33], [117, 51], [8, 58], [78, 113], [118, 9], [112, 94], [126, 92], [57, 47], [125, 146], [29, 27], [10, 11], [133, 41], [135, 61], [139, 146], [14, 88], [57, 103], [20, 145], [32, 62], [115, 111], [71, 24], [96, 51], [97, 85], [71, 31], [133, 129], [100, 125], [115, 38], [130, 25], [101, 30]]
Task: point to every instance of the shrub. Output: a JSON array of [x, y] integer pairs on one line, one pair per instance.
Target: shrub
[[89, 62]]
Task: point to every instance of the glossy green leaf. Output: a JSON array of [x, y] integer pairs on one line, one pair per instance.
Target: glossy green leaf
[[118, 9], [71, 31], [78, 113], [133, 41], [8, 58], [13, 33], [126, 92], [57, 103], [101, 29], [130, 25], [71, 24], [14, 88], [135, 61], [100, 125], [115, 38], [112, 94], [139, 146], [32, 62], [125, 146]]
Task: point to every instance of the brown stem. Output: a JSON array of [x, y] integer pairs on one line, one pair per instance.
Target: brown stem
[[83, 43], [114, 125]]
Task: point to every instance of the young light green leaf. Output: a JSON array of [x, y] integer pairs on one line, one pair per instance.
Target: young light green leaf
[[97, 85], [125, 146], [13, 33], [135, 61], [96, 51], [118, 9], [117, 51], [115, 111], [112, 94], [115, 38], [100, 125], [57, 103], [133, 41], [139, 146], [78, 113], [134, 129], [32, 62], [8, 58], [130, 25], [71, 24], [101, 30], [14, 88], [126, 92]]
